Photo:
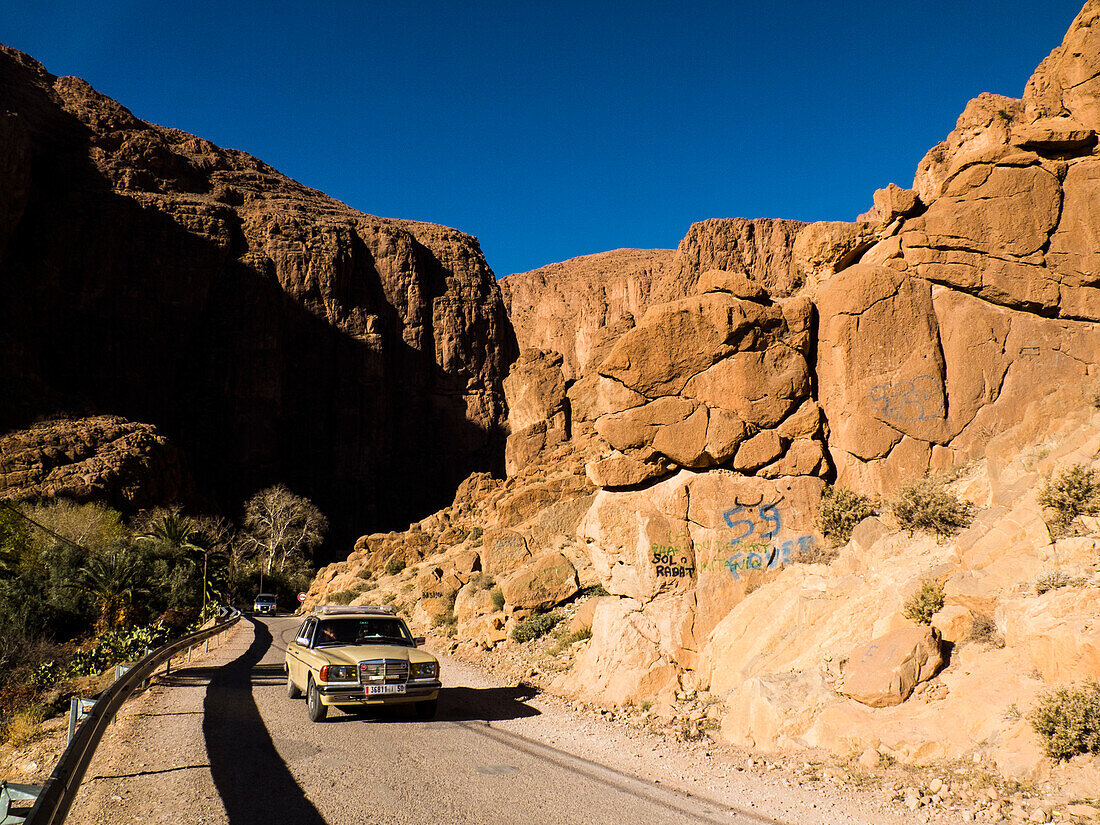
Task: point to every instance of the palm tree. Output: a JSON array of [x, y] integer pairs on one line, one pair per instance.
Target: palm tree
[[115, 581], [182, 538]]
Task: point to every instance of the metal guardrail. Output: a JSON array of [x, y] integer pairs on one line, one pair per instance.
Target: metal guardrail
[[58, 793]]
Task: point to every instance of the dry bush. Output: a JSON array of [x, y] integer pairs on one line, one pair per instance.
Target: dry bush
[[1075, 492], [1053, 579], [928, 505], [983, 630], [840, 511], [1068, 720], [24, 726]]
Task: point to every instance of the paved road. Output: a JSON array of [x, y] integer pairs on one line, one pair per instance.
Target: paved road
[[271, 765]]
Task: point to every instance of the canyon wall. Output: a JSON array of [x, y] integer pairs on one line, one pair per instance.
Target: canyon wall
[[271, 333]]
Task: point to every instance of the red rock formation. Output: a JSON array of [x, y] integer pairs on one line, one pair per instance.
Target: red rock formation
[[270, 331], [104, 458]]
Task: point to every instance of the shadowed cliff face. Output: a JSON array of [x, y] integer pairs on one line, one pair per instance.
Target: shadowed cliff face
[[271, 332]]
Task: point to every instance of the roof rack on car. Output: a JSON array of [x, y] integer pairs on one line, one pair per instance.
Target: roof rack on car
[[343, 609]]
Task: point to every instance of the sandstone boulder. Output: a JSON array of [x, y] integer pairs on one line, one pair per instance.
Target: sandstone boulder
[[885, 671], [544, 582], [619, 470], [735, 283], [1066, 82], [892, 203]]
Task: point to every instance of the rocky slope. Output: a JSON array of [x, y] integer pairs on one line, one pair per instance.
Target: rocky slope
[[103, 458], [273, 333], [674, 462]]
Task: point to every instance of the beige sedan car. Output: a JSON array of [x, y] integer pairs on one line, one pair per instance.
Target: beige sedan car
[[358, 657]]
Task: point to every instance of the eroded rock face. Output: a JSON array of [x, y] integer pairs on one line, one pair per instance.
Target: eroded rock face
[[709, 378], [273, 332], [573, 308], [102, 458]]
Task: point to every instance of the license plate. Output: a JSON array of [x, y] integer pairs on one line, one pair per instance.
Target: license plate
[[374, 690]]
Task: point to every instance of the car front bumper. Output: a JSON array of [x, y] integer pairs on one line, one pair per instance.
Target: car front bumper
[[419, 691]]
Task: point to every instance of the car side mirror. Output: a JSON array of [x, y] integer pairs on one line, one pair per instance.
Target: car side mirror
[[419, 640]]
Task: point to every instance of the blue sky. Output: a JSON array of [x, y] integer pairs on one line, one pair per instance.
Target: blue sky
[[556, 130]]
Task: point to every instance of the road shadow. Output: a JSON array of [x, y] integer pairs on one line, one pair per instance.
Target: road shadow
[[458, 704], [253, 781]]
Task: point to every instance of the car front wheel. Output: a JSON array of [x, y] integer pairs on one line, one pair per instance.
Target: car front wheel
[[317, 711]]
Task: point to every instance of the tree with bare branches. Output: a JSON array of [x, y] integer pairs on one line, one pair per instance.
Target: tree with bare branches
[[282, 528]]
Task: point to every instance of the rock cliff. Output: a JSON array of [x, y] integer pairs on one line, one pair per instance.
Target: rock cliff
[[271, 332], [672, 429]]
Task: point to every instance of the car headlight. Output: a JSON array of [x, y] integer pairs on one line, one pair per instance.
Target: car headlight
[[338, 673], [424, 670]]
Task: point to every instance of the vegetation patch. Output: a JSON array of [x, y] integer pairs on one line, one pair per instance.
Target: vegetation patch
[[1053, 579], [983, 630], [498, 599], [1074, 492], [394, 566], [840, 511], [593, 590], [567, 640], [342, 596], [482, 581], [1068, 720], [925, 603], [535, 627], [24, 726], [927, 505]]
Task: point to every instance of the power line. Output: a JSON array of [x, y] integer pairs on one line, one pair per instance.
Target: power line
[[43, 528]]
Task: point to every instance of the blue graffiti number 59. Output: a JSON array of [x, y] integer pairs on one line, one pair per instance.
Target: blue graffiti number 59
[[768, 513]]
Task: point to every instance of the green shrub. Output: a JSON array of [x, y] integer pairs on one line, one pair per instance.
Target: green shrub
[[1068, 720], [475, 535], [342, 596], [394, 566], [114, 646], [840, 511], [927, 505], [498, 599], [566, 639], [536, 626], [923, 604], [366, 573], [1075, 492], [594, 590]]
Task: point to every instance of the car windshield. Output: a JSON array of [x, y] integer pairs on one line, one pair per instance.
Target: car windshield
[[362, 631]]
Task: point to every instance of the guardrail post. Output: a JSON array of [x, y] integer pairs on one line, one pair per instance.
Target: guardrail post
[[10, 793], [78, 709]]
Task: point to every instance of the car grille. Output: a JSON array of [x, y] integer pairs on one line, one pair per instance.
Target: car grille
[[384, 671]]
